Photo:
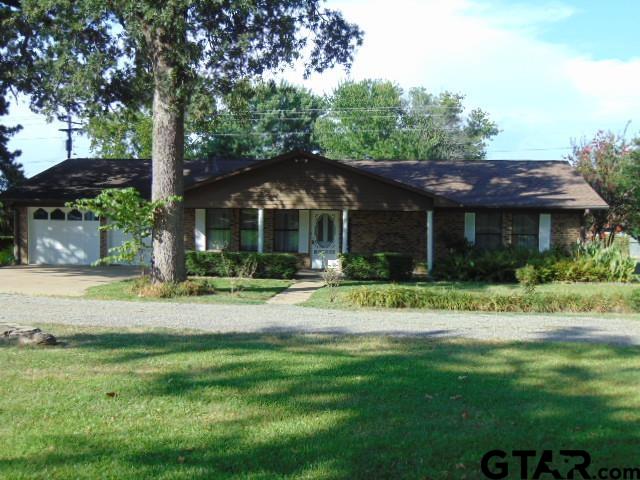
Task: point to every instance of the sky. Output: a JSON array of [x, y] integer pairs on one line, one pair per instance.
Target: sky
[[548, 73]]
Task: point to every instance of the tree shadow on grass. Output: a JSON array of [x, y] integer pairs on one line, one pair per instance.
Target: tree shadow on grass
[[326, 407]]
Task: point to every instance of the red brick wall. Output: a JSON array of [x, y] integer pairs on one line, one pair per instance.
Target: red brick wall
[[383, 231], [189, 228], [566, 228], [448, 227], [22, 240]]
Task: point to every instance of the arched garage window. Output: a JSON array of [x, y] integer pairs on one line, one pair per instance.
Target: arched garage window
[[40, 214], [90, 217], [57, 214], [74, 215]]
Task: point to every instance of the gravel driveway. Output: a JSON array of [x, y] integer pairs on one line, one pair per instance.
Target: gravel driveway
[[27, 310]]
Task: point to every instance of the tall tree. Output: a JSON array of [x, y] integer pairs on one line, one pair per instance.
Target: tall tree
[[258, 120], [11, 172], [91, 55], [375, 119], [604, 162]]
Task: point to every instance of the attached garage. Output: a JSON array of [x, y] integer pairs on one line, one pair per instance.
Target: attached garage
[[62, 236]]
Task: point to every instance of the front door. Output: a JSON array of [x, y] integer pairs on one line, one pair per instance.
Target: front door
[[324, 238]]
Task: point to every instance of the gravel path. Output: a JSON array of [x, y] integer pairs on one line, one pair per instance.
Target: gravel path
[[25, 310]]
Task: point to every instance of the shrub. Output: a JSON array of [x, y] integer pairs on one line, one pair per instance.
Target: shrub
[[634, 300], [217, 264], [143, 287], [377, 266], [484, 265], [591, 262], [448, 299], [6, 256]]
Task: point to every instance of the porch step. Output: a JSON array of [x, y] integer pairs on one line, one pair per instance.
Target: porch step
[[296, 293]]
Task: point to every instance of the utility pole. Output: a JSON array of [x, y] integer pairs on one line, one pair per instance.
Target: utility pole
[[70, 129]]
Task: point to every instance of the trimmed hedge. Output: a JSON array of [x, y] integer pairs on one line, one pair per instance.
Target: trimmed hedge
[[268, 265], [450, 299], [377, 266]]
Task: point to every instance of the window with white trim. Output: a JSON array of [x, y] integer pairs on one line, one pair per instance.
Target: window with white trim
[[285, 231], [218, 228]]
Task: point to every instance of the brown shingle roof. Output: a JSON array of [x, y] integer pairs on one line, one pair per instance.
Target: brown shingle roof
[[490, 183], [494, 183], [87, 177]]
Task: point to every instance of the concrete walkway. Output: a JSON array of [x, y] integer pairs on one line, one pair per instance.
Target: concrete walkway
[[298, 292], [277, 319], [63, 280]]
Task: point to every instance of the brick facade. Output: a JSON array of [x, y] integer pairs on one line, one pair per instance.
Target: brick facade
[[22, 240], [566, 228], [384, 231], [104, 239], [448, 228], [189, 220]]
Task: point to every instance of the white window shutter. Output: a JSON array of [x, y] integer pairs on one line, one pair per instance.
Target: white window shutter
[[544, 233], [470, 227], [201, 236], [303, 231]]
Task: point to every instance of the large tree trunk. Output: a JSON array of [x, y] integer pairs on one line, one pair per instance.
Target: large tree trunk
[[168, 159]]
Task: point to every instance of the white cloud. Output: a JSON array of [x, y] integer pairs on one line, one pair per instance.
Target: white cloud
[[542, 94]]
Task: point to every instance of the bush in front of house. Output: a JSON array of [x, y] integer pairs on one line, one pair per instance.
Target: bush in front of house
[[450, 299], [225, 264], [377, 266], [144, 287], [6, 256], [590, 262], [473, 265]]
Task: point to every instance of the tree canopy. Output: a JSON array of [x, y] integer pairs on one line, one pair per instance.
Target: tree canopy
[[368, 119], [373, 119], [252, 121], [611, 165], [91, 56]]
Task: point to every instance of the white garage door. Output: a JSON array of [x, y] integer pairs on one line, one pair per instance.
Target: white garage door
[[62, 236], [115, 238]]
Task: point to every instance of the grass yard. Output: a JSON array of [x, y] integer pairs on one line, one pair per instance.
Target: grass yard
[[156, 404], [254, 290], [321, 298]]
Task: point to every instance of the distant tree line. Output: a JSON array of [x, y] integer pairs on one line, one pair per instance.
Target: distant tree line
[[370, 119]]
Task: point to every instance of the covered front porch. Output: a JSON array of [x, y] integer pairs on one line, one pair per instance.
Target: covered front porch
[[316, 236]]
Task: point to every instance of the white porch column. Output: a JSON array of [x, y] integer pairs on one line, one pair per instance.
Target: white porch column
[[345, 231], [429, 240], [200, 234], [260, 230]]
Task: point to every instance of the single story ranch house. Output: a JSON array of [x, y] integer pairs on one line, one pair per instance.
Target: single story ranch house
[[315, 207]]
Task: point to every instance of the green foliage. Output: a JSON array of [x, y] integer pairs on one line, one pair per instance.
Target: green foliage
[[143, 287], [610, 164], [121, 134], [260, 121], [374, 119], [472, 264], [92, 55], [634, 300], [229, 264], [450, 299], [377, 266], [6, 256], [128, 212], [590, 262]]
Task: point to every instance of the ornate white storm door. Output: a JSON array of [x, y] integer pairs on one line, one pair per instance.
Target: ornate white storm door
[[325, 235]]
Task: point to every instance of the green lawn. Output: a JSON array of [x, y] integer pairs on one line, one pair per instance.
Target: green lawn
[[254, 290], [321, 298], [200, 406]]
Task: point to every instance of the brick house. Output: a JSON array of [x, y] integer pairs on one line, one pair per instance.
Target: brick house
[[315, 207]]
